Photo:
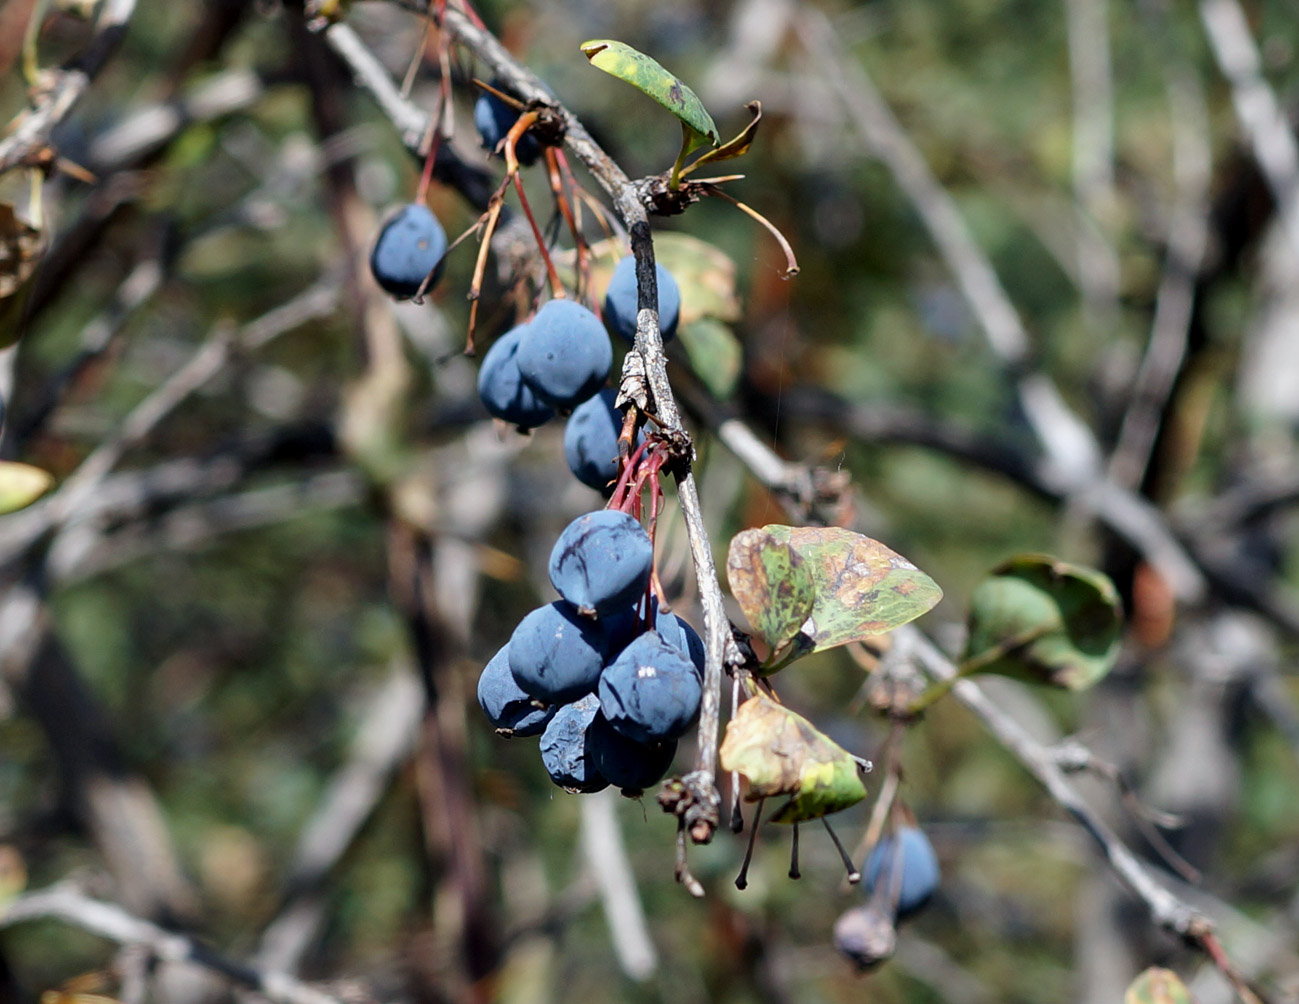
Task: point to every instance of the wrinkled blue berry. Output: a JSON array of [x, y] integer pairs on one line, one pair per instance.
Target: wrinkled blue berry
[[602, 562], [564, 747], [555, 655]]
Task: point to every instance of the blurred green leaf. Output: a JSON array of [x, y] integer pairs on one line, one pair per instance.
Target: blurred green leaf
[[1046, 621], [780, 753], [771, 585], [620, 60], [21, 485], [714, 353], [1157, 986], [705, 275]]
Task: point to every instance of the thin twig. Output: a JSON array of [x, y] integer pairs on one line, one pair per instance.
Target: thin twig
[[624, 914], [107, 920], [69, 83], [1073, 456], [1270, 136], [79, 490], [387, 735], [1188, 238]]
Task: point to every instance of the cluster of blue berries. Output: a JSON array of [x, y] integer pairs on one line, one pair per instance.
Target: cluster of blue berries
[[559, 362], [607, 679]]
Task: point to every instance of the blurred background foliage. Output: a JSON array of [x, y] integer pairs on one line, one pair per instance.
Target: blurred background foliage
[[232, 659]]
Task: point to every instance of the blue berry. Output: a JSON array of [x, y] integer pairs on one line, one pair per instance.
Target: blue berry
[[409, 247], [555, 655], [919, 866], [602, 562], [493, 118], [501, 387], [620, 301], [625, 763], [566, 356], [591, 440], [651, 692], [564, 747], [676, 631], [509, 709]]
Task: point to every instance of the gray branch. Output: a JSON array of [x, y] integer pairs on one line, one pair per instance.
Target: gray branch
[[106, 920]]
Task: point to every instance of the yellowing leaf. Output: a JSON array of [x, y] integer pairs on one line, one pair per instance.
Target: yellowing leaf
[[21, 485], [780, 753], [1157, 986], [618, 59]]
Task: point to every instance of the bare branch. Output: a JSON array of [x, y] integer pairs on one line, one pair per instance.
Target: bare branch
[[107, 920], [66, 87], [606, 855], [1257, 110]]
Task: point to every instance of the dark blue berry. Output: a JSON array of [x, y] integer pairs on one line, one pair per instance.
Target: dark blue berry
[[651, 692], [620, 301], [602, 562], [625, 763], [409, 247], [493, 118], [591, 440], [556, 655], [676, 631], [501, 387], [914, 855], [566, 356], [509, 709], [564, 747]]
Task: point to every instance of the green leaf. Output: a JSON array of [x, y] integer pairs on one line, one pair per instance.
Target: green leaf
[[21, 485], [862, 587], [771, 585], [645, 74], [780, 753], [1043, 620], [714, 353], [1157, 986]]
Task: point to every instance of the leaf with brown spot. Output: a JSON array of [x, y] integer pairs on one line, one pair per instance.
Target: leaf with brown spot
[[862, 587], [779, 752], [771, 585]]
